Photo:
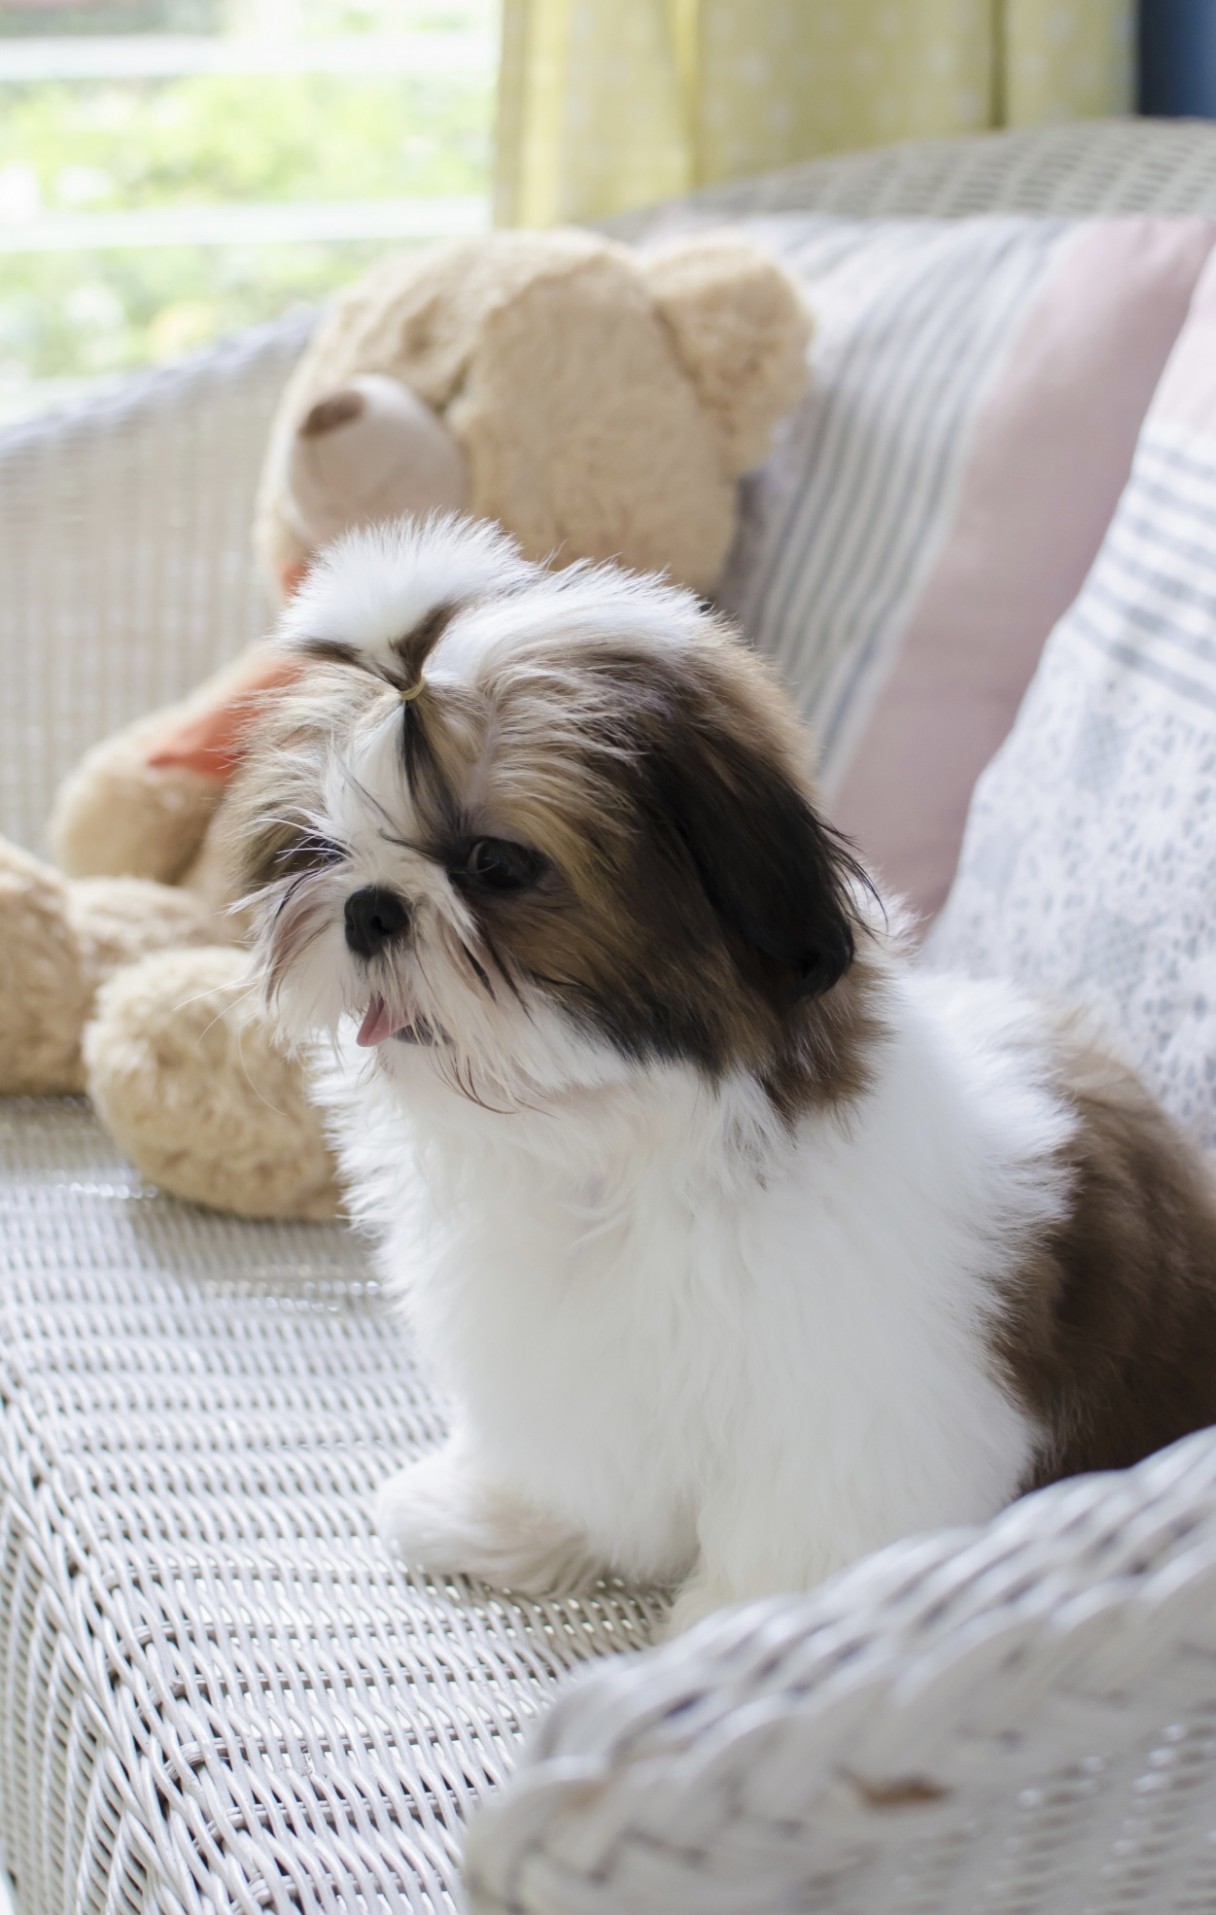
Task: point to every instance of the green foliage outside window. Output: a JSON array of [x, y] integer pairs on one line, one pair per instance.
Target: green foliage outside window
[[98, 146]]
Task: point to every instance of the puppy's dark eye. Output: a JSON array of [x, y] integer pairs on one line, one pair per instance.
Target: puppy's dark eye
[[495, 864]]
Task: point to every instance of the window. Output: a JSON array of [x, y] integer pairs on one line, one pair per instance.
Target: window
[[173, 170]]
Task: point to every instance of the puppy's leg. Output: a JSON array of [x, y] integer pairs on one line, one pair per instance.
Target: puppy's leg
[[449, 1516], [697, 1598], [708, 1590], [766, 1532], [753, 1545]]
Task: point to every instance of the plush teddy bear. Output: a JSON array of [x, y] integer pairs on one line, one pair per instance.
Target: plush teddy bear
[[598, 403]]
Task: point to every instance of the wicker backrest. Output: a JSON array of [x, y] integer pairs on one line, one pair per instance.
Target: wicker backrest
[[125, 555], [124, 522]]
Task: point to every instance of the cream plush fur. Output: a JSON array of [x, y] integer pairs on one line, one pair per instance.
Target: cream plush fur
[[598, 403], [605, 403]]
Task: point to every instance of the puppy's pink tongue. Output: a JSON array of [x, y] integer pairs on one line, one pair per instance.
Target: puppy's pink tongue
[[378, 1023]]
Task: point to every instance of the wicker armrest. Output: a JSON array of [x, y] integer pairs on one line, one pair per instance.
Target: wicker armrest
[[1008, 1718]]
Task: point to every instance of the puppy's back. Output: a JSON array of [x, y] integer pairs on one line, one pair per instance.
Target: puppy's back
[[1110, 1337]]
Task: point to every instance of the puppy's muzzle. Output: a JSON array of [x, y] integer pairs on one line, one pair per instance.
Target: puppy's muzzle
[[375, 917]]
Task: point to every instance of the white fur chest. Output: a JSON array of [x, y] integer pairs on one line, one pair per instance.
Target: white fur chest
[[727, 1342], [578, 1324]]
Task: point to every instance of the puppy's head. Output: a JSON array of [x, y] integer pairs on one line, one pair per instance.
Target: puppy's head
[[534, 830]]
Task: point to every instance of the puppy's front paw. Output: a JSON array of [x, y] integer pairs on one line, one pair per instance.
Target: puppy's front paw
[[445, 1516], [697, 1599]]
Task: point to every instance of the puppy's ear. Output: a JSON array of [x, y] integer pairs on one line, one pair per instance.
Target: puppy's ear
[[778, 876]]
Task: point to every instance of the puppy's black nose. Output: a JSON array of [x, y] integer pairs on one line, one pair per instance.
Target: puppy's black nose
[[374, 917]]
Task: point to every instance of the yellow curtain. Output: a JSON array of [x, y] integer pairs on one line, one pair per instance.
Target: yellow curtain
[[608, 104]]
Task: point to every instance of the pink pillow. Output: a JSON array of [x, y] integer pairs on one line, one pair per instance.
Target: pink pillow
[[1088, 867], [1051, 451]]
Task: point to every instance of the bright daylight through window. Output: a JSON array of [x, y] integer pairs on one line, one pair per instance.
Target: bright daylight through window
[[174, 170]]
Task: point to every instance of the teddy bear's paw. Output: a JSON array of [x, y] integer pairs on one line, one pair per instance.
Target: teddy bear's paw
[[183, 1069], [117, 814], [46, 982], [118, 920]]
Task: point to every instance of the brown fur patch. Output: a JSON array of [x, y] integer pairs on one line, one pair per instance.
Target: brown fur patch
[[413, 648], [1110, 1337], [693, 905], [416, 646]]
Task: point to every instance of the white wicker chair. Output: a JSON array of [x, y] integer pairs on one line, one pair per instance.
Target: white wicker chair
[[1010, 1719], [217, 1694]]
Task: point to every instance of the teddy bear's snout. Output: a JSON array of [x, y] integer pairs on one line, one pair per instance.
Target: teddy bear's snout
[[369, 452]]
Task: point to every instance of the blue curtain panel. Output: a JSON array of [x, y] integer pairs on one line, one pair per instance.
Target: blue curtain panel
[[1178, 58]]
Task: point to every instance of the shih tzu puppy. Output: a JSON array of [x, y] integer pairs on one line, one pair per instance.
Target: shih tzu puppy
[[738, 1246]]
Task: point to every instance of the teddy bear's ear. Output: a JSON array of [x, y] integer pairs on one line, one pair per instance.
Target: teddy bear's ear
[[741, 331]]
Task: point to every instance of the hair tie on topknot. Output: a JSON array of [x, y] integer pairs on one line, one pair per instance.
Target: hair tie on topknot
[[408, 693]]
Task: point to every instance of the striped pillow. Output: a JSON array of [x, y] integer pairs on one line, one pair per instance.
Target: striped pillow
[[840, 528], [935, 505], [1089, 861]]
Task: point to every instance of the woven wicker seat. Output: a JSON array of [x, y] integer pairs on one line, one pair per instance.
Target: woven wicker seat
[[217, 1693]]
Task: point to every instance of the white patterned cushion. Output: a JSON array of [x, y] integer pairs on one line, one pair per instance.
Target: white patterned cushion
[[1089, 861]]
